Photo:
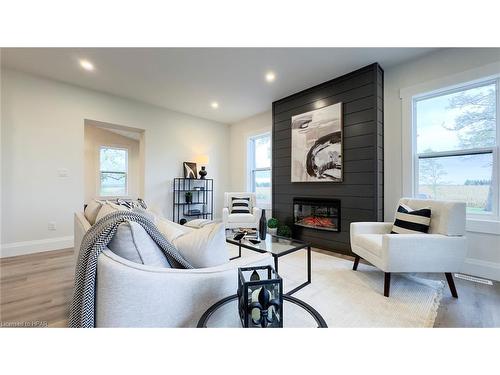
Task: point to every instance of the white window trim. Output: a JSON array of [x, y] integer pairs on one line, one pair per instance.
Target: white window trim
[[251, 169], [490, 72], [99, 172]]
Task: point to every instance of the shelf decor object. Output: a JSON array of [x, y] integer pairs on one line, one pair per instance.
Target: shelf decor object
[[192, 199], [260, 297], [202, 160], [203, 173]]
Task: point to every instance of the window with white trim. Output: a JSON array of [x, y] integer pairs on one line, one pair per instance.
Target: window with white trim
[[113, 171], [456, 143], [259, 168]]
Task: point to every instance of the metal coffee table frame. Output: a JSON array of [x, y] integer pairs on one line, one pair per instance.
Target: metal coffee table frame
[[302, 245], [202, 323]]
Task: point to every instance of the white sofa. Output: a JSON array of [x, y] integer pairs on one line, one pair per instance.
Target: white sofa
[[443, 249], [238, 220], [129, 294]]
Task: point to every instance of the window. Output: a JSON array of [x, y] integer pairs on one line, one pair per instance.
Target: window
[[113, 171], [457, 143], [259, 152]]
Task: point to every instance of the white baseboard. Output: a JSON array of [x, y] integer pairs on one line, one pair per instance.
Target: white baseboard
[[481, 268], [36, 246]]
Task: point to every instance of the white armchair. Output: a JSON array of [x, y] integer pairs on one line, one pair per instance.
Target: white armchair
[[443, 249], [250, 220]]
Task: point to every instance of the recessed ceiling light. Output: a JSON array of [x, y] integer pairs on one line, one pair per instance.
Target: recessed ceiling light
[[270, 77], [87, 65], [214, 105]]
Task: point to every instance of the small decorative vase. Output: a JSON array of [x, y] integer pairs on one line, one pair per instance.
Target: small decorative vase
[[202, 173], [272, 231], [263, 225]]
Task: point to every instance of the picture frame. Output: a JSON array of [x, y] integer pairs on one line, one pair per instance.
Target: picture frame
[[317, 145], [190, 170]]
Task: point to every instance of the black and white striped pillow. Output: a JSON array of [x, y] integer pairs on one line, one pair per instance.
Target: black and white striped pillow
[[130, 203], [409, 221], [240, 205]]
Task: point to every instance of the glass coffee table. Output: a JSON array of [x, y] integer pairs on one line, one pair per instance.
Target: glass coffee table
[[296, 314], [276, 246]]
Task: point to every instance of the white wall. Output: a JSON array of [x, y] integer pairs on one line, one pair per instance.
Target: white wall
[[42, 131], [483, 249], [94, 138], [240, 132]]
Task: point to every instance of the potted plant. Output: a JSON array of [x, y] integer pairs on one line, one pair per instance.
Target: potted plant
[[189, 197], [284, 231], [272, 225]]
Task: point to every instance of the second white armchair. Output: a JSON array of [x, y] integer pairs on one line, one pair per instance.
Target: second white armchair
[[240, 220], [443, 249]]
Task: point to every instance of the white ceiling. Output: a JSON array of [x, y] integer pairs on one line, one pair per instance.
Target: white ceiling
[[189, 79]]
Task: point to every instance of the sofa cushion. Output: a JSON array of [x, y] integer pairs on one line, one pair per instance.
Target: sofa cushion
[[92, 210], [131, 203], [108, 208], [370, 242], [205, 247], [409, 221], [241, 218], [171, 230], [198, 223], [146, 213], [132, 242]]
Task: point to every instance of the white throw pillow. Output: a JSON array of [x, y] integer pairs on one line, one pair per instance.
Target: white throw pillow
[[205, 247], [171, 230], [109, 208], [132, 242], [92, 210], [118, 207], [198, 223], [146, 213]]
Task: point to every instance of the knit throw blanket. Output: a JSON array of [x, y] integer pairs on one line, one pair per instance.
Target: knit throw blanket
[[82, 310]]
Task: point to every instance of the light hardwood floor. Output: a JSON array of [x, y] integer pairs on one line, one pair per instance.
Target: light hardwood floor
[[38, 288]]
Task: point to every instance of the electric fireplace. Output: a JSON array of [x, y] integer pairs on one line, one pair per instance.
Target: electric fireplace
[[317, 213]]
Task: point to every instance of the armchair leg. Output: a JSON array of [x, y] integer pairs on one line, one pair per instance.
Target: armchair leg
[[387, 283], [451, 284], [356, 262]]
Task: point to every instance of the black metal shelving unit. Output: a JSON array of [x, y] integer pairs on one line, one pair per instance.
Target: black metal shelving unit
[[202, 206]]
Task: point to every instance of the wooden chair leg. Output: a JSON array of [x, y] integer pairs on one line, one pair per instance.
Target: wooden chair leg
[[387, 283], [451, 284], [356, 262]]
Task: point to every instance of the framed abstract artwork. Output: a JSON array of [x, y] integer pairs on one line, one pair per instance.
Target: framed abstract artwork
[[190, 170], [317, 145]]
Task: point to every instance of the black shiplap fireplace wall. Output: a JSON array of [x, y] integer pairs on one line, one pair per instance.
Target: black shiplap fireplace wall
[[361, 192]]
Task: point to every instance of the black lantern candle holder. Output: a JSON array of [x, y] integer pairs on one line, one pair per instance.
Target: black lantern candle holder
[[260, 297]]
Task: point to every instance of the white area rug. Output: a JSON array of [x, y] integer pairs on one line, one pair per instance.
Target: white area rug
[[347, 298]]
